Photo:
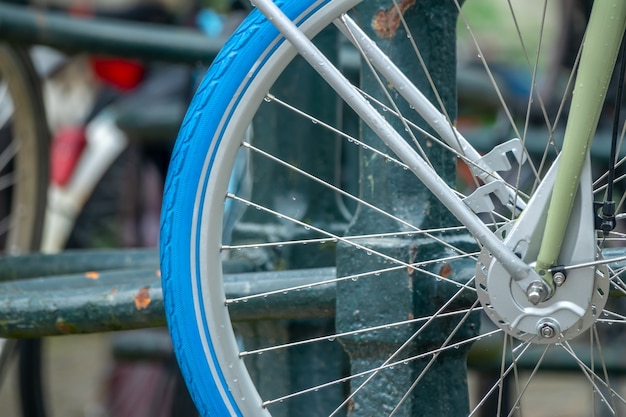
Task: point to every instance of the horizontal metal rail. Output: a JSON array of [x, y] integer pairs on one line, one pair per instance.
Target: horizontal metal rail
[[76, 261], [85, 303], [95, 291], [143, 41]]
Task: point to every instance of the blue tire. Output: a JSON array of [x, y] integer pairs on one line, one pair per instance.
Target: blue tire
[[200, 167]]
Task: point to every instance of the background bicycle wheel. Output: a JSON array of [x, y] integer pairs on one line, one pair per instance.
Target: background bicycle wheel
[[24, 146]]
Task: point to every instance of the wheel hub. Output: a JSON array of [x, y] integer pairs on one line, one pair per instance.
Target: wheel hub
[[528, 309], [571, 310]]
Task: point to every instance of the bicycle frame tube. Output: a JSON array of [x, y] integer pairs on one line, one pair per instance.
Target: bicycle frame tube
[[602, 41], [511, 263], [438, 121]]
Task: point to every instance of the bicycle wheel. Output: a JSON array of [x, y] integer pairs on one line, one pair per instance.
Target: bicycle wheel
[[23, 185], [363, 298], [24, 153]]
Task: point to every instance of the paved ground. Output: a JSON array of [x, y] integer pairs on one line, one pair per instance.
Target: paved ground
[[78, 365], [75, 369]]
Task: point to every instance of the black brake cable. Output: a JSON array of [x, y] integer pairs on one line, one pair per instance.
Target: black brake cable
[[608, 222]]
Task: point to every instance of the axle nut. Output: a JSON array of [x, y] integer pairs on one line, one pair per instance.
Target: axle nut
[[547, 331], [548, 328], [537, 292]]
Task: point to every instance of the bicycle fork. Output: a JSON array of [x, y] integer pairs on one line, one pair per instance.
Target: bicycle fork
[[602, 42]]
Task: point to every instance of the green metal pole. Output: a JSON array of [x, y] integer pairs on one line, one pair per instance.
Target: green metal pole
[[398, 296]]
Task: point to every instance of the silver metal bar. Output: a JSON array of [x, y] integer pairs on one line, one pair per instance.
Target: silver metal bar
[[438, 121], [407, 89]]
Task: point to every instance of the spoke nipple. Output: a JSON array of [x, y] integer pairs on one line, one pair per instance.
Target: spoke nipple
[[537, 292]]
